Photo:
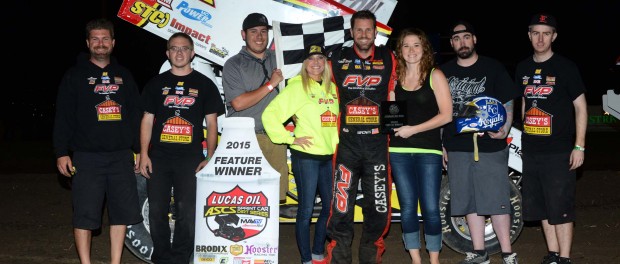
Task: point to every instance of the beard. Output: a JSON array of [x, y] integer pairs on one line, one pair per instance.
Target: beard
[[465, 52], [364, 47], [101, 52]]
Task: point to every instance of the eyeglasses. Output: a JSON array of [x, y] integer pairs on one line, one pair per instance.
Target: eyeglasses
[[181, 49]]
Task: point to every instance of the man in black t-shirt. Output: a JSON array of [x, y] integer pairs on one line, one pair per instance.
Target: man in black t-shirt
[[554, 112], [176, 103], [478, 162]]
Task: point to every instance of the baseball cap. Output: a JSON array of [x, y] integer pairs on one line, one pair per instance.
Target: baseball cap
[[255, 20], [314, 49], [468, 28], [544, 19]]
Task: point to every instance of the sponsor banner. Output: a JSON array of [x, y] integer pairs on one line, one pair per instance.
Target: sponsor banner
[[215, 25], [237, 200]]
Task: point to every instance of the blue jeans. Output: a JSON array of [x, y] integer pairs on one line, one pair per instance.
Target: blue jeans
[[310, 175], [418, 178]]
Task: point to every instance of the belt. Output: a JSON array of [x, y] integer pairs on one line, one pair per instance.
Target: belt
[[260, 131]]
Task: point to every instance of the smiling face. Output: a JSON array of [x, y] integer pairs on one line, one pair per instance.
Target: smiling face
[[180, 52], [100, 44], [256, 39], [364, 34], [316, 66], [412, 49]]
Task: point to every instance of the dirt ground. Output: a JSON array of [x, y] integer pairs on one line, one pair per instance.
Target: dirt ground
[[35, 214]]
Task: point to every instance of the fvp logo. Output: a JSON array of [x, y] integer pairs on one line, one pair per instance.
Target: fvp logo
[[106, 89], [358, 80], [179, 101], [538, 90]]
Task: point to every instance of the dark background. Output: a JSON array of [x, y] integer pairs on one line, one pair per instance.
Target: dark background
[[41, 41]]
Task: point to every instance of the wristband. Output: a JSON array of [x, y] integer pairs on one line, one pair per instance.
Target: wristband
[[269, 86], [580, 148]]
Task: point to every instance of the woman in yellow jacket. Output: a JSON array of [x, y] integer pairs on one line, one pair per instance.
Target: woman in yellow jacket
[[311, 98]]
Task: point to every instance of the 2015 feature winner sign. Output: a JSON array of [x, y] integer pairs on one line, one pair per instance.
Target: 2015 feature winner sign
[[237, 205]]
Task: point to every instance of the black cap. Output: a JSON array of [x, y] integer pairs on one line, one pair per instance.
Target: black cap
[[468, 28], [314, 49], [255, 20], [544, 19]]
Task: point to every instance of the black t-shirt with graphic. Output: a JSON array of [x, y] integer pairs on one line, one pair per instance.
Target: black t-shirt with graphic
[[486, 76], [180, 104], [549, 89]]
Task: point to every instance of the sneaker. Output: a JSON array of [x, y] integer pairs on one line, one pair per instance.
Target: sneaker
[[475, 258], [511, 259], [564, 261], [551, 258], [322, 261]]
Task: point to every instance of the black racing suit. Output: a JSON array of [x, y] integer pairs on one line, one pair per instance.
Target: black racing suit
[[362, 154]]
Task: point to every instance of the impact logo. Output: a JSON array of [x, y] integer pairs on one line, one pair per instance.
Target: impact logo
[[236, 215]]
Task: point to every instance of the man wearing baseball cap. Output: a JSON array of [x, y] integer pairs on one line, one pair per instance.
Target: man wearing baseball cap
[[554, 113], [477, 163], [250, 80]]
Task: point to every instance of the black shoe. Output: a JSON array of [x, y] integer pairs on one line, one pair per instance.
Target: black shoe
[[551, 258], [564, 260]]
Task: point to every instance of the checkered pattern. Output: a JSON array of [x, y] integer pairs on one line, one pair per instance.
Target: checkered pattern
[[291, 39]]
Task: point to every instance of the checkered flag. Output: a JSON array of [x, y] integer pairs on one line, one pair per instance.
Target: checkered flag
[[291, 39]]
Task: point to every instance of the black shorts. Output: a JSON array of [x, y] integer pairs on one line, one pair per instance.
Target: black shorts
[[102, 176], [548, 188]]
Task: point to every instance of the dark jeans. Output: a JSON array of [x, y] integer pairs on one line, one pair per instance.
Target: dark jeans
[[418, 178], [178, 173], [311, 175]]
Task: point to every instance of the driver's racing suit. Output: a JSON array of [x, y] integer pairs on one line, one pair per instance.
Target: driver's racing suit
[[361, 154]]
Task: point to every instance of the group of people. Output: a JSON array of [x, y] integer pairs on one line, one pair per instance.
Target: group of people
[[102, 120], [337, 142]]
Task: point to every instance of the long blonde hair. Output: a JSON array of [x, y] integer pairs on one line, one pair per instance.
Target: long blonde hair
[[326, 77], [427, 62]]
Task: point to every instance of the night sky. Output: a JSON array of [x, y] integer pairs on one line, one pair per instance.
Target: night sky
[[43, 42]]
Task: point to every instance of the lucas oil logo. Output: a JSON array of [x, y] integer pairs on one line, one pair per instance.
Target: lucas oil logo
[[236, 215]]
